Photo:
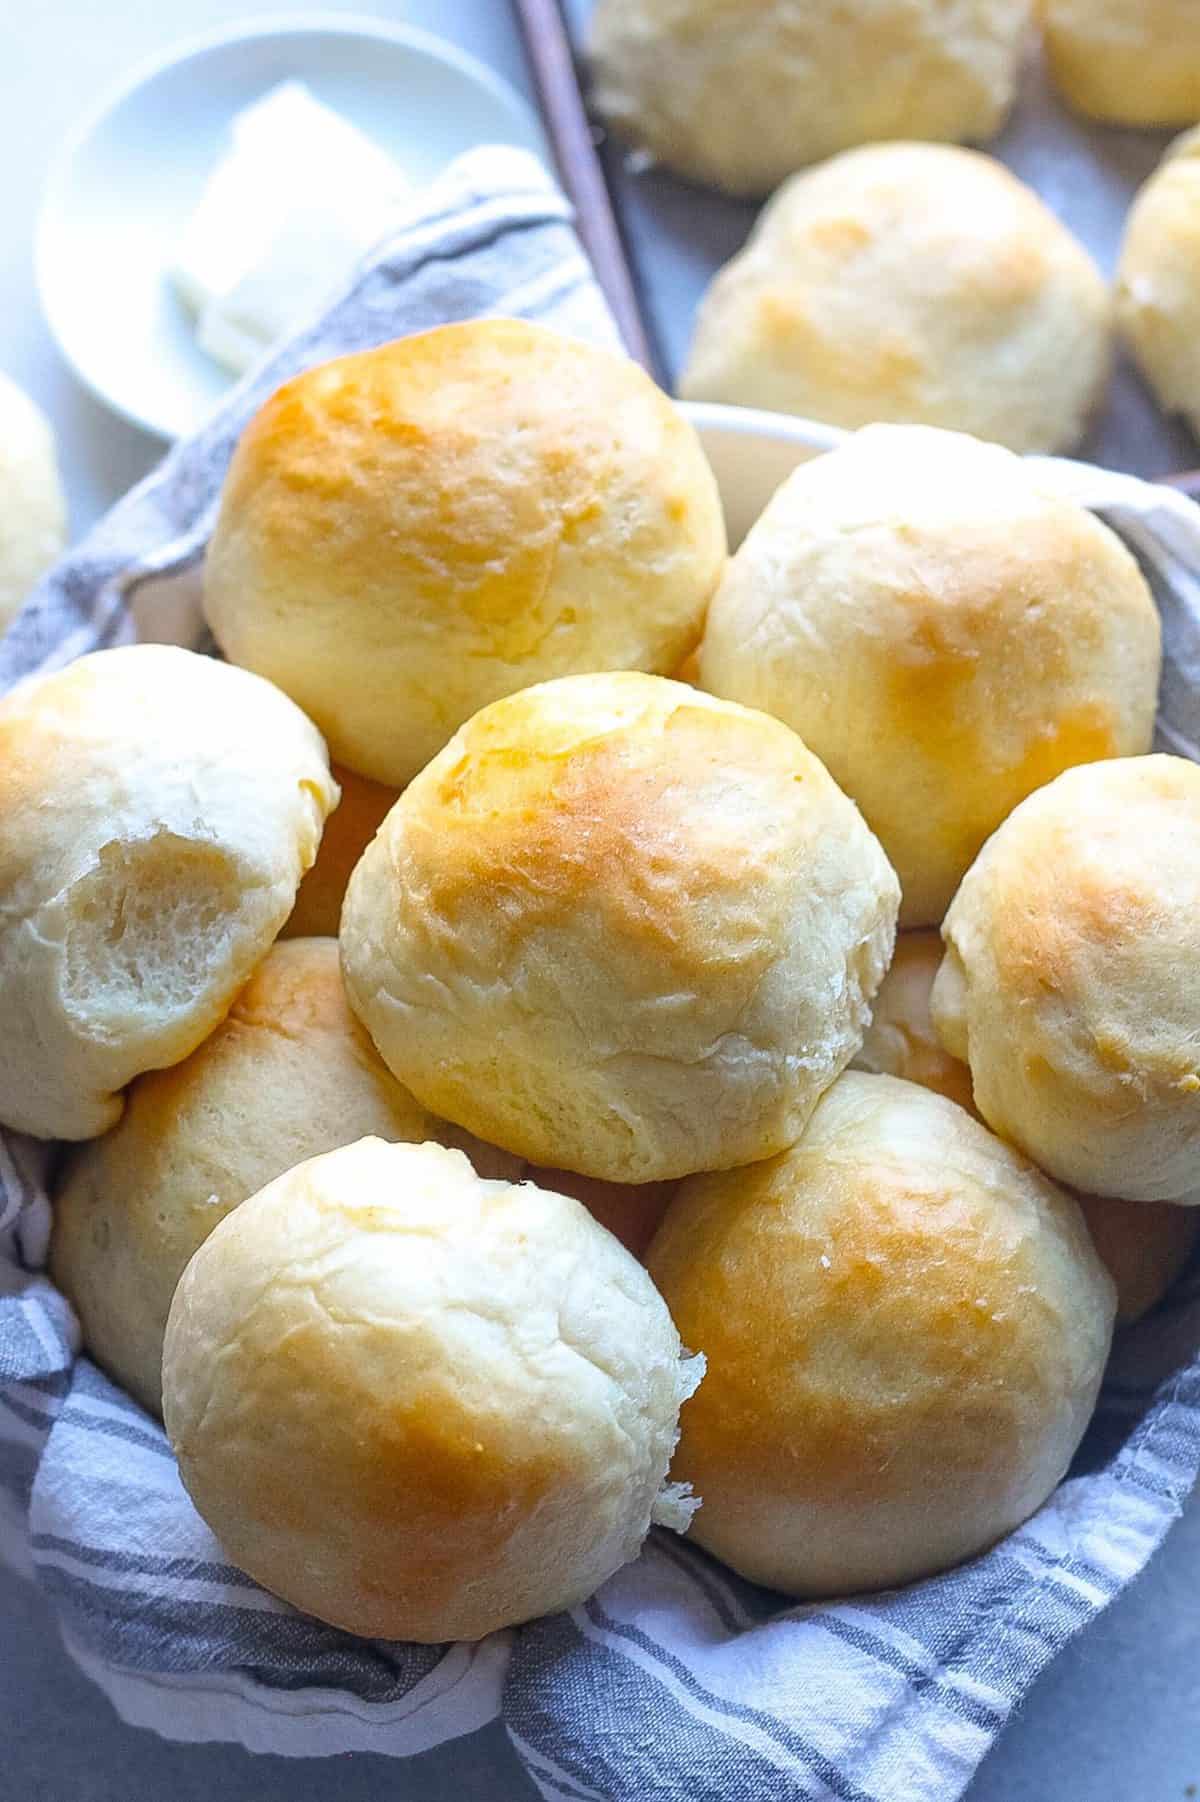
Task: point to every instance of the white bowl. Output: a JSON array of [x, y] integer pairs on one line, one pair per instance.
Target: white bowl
[[122, 187], [752, 452]]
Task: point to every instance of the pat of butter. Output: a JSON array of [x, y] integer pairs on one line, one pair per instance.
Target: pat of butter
[[300, 196]]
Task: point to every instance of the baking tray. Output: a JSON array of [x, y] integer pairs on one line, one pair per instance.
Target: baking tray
[[678, 235]]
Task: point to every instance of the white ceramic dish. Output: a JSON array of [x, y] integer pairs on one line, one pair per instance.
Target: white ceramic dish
[[752, 452], [123, 185]]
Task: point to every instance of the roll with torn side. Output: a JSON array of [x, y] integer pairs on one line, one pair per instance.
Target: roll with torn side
[[905, 1326], [1158, 277], [740, 94], [1130, 62], [419, 1404], [912, 283], [289, 1073], [622, 927], [943, 632], [33, 511], [1071, 980], [157, 811], [411, 532]]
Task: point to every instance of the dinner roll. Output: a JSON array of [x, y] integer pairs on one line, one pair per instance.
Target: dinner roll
[[900, 1040], [419, 1404], [905, 1326], [942, 633], [1132, 62], [621, 927], [1070, 978], [739, 94], [1158, 280], [288, 1073], [157, 811], [913, 283], [409, 533], [348, 831], [1143, 1245], [33, 513]]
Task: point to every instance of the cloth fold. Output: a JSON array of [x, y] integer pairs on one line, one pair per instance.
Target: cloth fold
[[677, 1681]]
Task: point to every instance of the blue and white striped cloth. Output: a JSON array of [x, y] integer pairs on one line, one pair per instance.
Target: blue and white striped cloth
[[677, 1681]]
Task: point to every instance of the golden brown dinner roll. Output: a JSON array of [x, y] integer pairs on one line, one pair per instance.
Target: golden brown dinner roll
[[1143, 1245], [900, 1040], [348, 831], [622, 927], [412, 532], [905, 1326], [33, 514], [1070, 978], [419, 1404], [157, 811], [288, 1073], [913, 283], [1132, 62], [630, 1211], [1158, 281], [945, 635], [740, 94]]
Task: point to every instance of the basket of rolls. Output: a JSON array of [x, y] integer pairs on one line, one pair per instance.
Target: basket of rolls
[[596, 1122]]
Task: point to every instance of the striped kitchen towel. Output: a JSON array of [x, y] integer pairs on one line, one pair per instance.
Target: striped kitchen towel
[[676, 1682]]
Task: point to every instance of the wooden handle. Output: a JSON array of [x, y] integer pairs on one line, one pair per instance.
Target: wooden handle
[[553, 68]]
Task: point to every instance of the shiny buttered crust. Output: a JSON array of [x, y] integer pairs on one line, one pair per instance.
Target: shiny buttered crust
[[348, 831], [412, 532], [1134, 62], [942, 633], [1158, 279], [1144, 1246], [912, 283], [418, 1404], [33, 514], [1071, 981], [900, 1040], [157, 811], [288, 1073], [740, 94], [620, 926], [905, 1326]]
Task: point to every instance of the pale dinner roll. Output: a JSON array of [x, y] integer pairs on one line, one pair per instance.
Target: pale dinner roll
[[622, 927], [409, 533], [1070, 978], [944, 634], [913, 283], [905, 1326], [157, 811], [1158, 279], [287, 1074], [1143, 1245], [1132, 62], [900, 1040], [739, 94], [33, 513], [419, 1404], [348, 831]]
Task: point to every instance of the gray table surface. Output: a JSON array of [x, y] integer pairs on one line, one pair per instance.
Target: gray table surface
[[1116, 1719]]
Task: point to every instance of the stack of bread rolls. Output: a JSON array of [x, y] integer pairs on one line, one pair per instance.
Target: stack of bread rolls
[[893, 275], [383, 1077]]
